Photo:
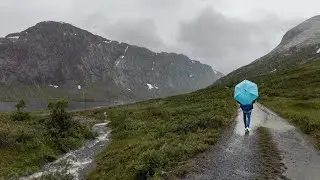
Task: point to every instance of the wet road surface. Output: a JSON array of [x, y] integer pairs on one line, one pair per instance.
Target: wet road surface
[[299, 155], [236, 156]]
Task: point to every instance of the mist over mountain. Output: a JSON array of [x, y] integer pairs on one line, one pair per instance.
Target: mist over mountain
[[300, 45]]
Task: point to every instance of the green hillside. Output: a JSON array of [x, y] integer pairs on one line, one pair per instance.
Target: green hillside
[[272, 62], [295, 95], [157, 138]]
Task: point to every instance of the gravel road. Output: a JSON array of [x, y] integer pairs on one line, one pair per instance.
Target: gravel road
[[237, 157]]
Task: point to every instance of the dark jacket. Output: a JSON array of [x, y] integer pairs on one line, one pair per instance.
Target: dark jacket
[[247, 107]]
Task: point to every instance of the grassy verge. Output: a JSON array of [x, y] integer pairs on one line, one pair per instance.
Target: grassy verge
[[26, 145], [156, 139], [272, 167], [295, 95]]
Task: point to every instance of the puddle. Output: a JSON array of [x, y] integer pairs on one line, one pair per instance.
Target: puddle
[[299, 155]]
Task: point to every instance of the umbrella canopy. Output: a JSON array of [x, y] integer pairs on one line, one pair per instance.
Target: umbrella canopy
[[246, 92]]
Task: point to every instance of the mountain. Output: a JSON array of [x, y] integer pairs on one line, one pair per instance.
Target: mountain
[[50, 60], [300, 45]]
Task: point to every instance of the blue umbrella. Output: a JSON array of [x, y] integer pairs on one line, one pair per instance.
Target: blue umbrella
[[246, 92]]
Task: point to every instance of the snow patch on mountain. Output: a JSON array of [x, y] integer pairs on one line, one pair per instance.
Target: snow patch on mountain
[[150, 86], [55, 86], [14, 37], [108, 42]]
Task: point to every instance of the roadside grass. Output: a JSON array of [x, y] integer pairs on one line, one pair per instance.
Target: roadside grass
[[27, 145], [295, 95], [272, 167], [157, 138]]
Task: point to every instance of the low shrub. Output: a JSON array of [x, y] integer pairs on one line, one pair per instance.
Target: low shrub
[[66, 133], [20, 116], [10, 138]]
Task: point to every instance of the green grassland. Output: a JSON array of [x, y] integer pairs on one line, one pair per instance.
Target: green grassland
[[156, 139], [295, 95], [27, 145]]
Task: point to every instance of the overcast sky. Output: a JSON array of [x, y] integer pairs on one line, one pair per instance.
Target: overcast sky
[[225, 34]]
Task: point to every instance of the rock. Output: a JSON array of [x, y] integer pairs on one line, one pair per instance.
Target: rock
[[54, 53]]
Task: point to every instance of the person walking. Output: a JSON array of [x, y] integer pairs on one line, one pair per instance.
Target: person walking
[[247, 110], [246, 93]]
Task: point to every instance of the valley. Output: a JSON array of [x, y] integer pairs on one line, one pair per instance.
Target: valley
[[182, 123]]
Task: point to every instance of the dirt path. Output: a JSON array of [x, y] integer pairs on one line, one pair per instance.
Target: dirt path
[[300, 157], [236, 156]]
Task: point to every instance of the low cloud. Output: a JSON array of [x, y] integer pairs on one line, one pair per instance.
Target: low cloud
[[142, 32], [228, 43], [178, 26]]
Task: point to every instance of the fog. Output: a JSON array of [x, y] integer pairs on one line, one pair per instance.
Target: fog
[[225, 34]]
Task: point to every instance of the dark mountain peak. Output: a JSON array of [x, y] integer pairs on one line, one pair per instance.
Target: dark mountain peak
[[60, 54], [53, 27]]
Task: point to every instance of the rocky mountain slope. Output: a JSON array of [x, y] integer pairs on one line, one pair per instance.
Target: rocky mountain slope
[[50, 60], [300, 45]]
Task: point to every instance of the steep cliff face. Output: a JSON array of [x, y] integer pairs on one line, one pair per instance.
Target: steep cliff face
[[305, 34], [299, 45], [53, 58]]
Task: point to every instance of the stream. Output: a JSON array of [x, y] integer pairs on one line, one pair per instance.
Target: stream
[[77, 163]]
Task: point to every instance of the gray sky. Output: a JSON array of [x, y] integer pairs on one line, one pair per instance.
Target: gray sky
[[225, 34]]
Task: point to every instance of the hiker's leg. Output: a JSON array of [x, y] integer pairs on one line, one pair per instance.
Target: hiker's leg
[[248, 119], [245, 119]]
